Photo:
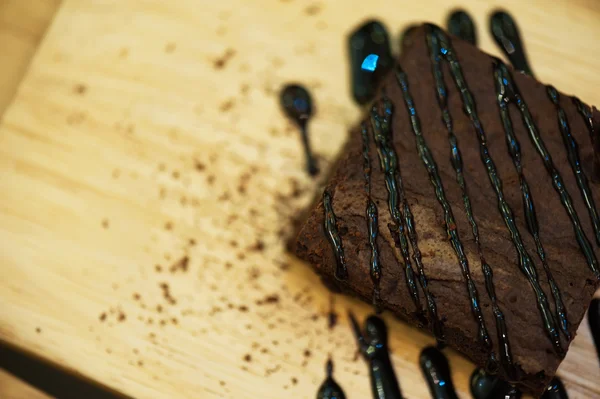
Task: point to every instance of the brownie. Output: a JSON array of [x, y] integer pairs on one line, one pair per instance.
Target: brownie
[[464, 204]]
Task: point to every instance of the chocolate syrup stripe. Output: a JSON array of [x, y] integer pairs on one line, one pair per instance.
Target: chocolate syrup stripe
[[372, 219], [457, 164], [449, 221], [512, 94], [525, 262], [586, 114], [411, 230], [575, 161], [506, 34], [330, 224], [505, 96], [389, 166]]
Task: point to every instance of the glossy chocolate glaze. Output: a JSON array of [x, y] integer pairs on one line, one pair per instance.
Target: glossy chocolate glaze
[[297, 105], [374, 349]]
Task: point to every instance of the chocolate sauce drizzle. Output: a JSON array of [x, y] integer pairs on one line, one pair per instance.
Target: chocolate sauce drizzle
[[372, 220], [525, 262], [374, 349], [461, 24], [507, 88], [505, 32], [389, 166], [436, 370], [330, 389], [449, 221], [341, 272], [505, 96], [555, 390], [575, 161], [297, 105], [457, 164], [370, 59], [486, 386], [594, 322], [586, 114]]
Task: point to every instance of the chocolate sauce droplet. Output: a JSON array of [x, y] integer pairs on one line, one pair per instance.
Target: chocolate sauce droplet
[[555, 390], [374, 349], [330, 389], [436, 370], [461, 24], [297, 105], [486, 386], [506, 33], [594, 321], [370, 59]]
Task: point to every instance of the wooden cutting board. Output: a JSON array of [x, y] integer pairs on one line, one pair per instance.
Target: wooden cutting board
[[149, 179]]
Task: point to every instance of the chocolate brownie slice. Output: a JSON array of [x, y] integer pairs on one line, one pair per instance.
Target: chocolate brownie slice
[[464, 204]]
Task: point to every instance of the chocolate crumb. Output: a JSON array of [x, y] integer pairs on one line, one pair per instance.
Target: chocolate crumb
[[243, 308], [121, 316], [259, 246], [182, 264], [248, 358], [307, 353], [294, 380], [227, 105], [80, 89], [102, 316], [136, 296], [158, 268], [170, 47], [199, 166], [38, 330], [221, 62], [312, 9]]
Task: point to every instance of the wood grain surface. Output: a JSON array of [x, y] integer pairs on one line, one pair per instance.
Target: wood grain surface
[[150, 181], [22, 26]]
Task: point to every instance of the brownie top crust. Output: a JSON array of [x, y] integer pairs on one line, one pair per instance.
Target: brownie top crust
[[464, 203]]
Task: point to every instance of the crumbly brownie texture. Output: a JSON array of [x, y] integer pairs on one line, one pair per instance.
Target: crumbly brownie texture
[[339, 237]]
